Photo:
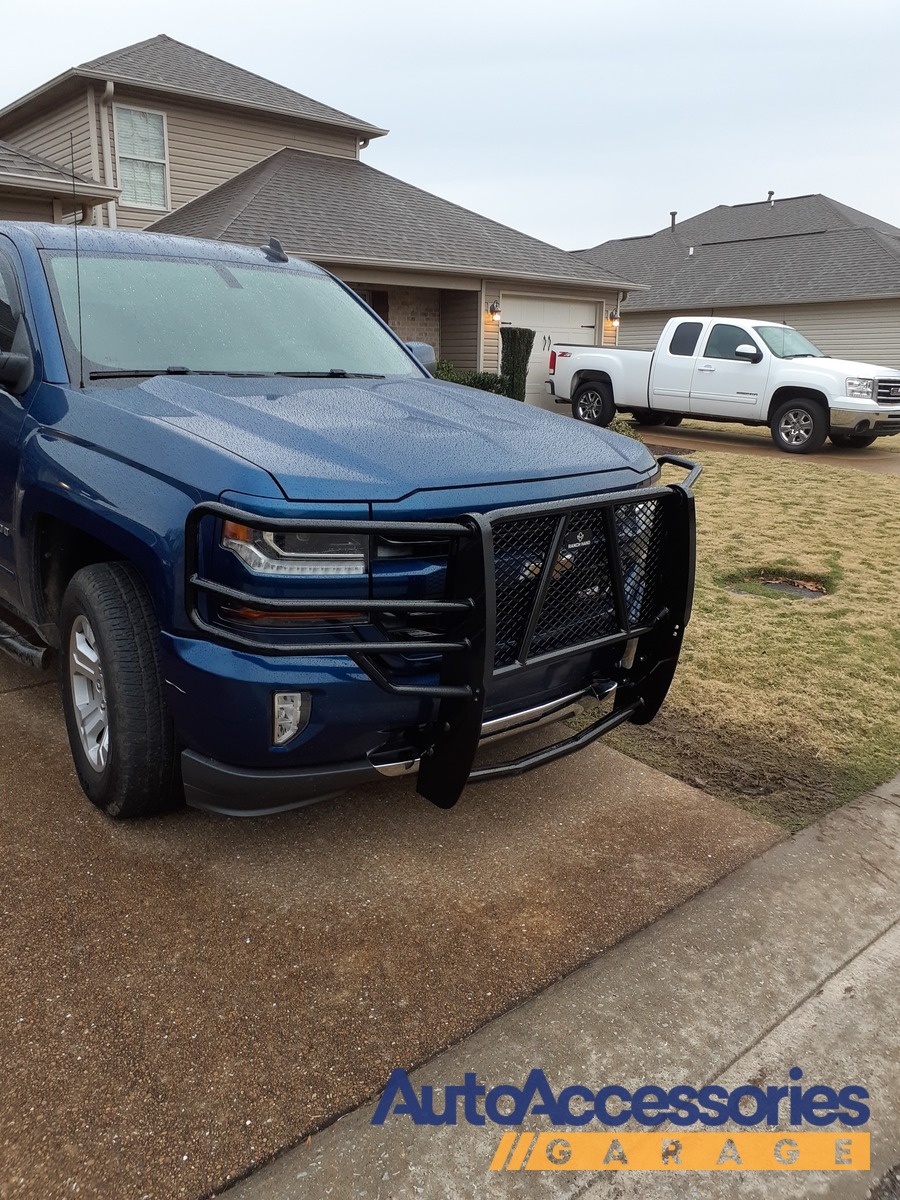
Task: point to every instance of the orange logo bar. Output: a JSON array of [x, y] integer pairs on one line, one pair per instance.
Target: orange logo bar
[[592, 1150]]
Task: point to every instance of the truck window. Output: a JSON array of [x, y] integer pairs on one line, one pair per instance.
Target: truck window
[[9, 308], [685, 338], [725, 339]]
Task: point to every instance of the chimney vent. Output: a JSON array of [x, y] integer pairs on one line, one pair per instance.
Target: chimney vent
[[769, 197], [673, 215]]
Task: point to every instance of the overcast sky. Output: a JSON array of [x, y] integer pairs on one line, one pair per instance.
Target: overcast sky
[[573, 121]]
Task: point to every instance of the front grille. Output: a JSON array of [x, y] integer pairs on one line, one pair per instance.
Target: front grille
[[570, 580], [887, 391]]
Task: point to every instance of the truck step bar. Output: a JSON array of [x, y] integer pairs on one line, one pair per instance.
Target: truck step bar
[[16, 645]]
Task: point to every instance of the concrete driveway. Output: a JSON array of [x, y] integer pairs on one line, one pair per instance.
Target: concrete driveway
[[737, 439], [183, 997]]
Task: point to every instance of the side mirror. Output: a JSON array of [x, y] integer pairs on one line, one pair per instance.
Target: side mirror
[[424, 353], [748, 353], [16, 372]]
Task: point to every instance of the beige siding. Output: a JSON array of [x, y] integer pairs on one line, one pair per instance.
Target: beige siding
[[609, 335], [640, 331], [25, 208], [864, 330], [868, 331], [48, 134], [459, 329], [490, 329], [208, 146]]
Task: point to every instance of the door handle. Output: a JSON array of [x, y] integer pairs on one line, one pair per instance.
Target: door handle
[[706, 368]]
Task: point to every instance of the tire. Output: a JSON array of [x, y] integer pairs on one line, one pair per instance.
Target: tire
[[120, 730], [593, 403], [799, 426], [850, 441], [672, 422], [650, 418]]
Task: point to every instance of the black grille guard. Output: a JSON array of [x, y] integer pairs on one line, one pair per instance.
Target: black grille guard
[[521, 586]]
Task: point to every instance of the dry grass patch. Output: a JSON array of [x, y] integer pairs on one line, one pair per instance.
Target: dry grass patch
[[788, 707]]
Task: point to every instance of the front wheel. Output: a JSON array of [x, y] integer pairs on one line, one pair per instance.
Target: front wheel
[[799, 426], [849, 441], [120, 731], [593, 403]]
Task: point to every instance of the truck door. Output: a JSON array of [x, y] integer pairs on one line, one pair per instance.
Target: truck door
[[12, 415], [673, 368], [724, 385]]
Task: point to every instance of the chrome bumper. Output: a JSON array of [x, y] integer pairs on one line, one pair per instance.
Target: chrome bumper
[[513, 723]]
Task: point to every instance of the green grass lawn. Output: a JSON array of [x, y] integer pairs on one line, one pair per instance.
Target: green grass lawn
[[787, 707]]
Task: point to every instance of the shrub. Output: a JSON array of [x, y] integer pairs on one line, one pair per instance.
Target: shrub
[[627, 428], [485, 381], [517, 344]]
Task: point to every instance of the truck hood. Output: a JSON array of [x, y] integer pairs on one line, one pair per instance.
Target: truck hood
[[852, 370], [381, 439]]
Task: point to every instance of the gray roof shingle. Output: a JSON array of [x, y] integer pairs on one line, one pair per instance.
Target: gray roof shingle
[[340, 209], [801, 249], [14, 161], [163, 62]]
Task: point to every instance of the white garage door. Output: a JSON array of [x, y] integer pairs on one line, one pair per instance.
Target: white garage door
[[552, 321]]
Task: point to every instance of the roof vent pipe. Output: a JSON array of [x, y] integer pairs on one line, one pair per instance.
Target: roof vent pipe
[[673, 215], [690, 250], [769, 197]]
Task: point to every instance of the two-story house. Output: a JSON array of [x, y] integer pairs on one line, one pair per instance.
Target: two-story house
[[169, 138]]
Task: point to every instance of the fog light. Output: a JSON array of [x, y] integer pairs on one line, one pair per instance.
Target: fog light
[[290, 713]]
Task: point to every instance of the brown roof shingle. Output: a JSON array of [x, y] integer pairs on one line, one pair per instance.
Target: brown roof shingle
[[340, 209], [163, 62], [803, 249]]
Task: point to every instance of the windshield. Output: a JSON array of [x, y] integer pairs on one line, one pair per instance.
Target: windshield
[[147, 315], [785, 342]]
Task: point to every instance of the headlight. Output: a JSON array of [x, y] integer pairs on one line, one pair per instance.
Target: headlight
[[319, 554], [861, 389]]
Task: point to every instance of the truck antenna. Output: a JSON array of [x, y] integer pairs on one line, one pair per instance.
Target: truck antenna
[[77, 263]]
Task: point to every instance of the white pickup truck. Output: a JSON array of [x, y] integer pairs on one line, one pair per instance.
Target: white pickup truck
[[731, 369]]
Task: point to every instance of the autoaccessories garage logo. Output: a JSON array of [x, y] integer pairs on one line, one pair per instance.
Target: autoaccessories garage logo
[[772, 1124]]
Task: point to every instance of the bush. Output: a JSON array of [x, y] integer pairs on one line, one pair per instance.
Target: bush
[[485, 381], [517, 344], [627, 428]]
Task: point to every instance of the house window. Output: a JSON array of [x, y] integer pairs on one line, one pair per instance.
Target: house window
[[141, 158]]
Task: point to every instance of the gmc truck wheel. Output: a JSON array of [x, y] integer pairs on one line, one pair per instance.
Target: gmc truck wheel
[[849, 441], [799, 426], [593, 403], [119, 727]]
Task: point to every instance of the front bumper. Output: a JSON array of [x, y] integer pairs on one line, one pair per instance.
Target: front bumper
[[539, 600], [865, 417], [243, 791]]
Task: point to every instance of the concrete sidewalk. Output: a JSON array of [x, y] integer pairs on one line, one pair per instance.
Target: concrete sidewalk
[[793, 960]]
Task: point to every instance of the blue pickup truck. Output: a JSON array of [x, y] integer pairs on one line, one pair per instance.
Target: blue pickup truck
[[273, 557]]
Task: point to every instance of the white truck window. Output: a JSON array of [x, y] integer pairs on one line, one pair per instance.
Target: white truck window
[[725, 339], [685, 338]]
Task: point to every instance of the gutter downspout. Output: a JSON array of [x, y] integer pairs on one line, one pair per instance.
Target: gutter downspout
[[105, 101]]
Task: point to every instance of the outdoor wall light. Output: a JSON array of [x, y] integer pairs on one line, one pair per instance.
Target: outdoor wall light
[[613, 317], [494, 310]]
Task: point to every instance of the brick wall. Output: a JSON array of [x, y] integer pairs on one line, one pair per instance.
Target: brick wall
[[414, 314]]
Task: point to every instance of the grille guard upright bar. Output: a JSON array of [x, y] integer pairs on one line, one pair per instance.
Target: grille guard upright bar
[[467, 654]]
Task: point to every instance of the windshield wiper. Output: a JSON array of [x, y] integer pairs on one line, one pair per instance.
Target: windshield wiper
[[138, 373], [804, 355], [141, 373], [334, 373]]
